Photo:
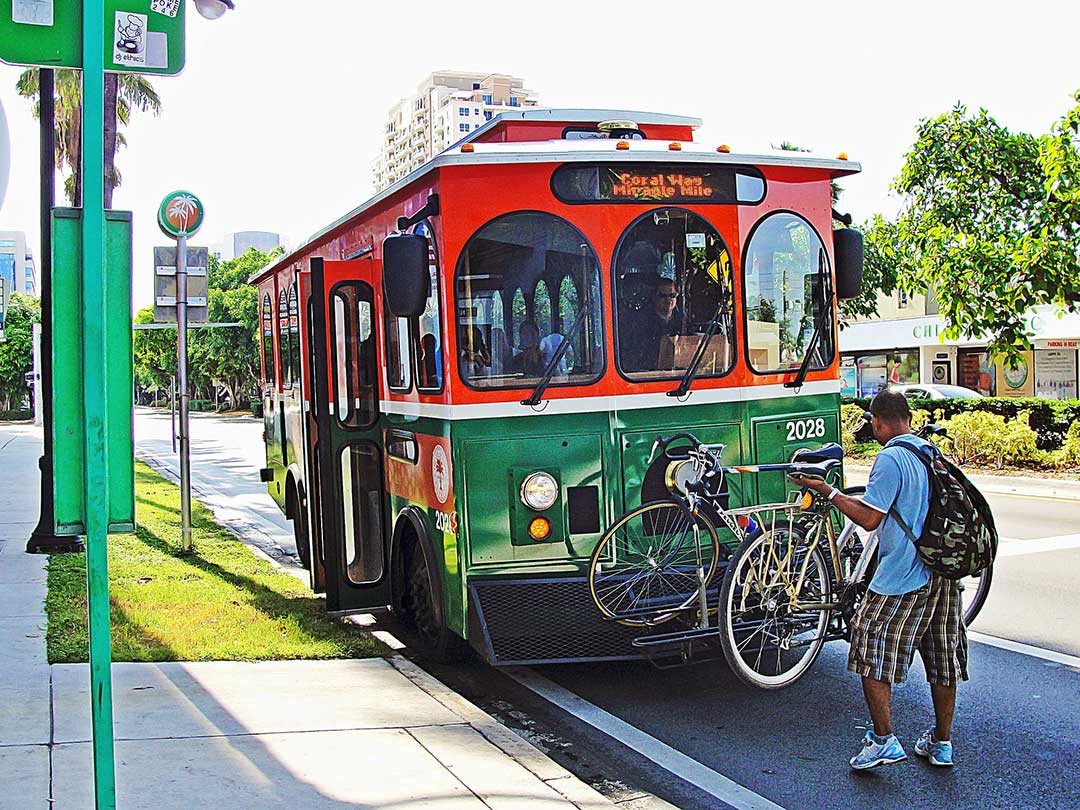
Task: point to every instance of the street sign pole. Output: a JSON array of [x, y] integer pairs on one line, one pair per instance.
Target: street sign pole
[[182, 374], [96, 401]]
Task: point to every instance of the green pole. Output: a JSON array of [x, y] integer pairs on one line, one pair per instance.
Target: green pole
[[95, 400]]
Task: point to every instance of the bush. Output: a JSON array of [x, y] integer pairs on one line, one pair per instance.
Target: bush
[[1068, 455], [991, 439], [20, 415], [1049, 418], [201, 405], [851, 421], [257, 408]]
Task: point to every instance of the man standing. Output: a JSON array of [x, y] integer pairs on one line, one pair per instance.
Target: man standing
[[907, 606]]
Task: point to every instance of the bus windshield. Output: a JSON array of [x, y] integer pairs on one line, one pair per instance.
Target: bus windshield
[[521, 282]]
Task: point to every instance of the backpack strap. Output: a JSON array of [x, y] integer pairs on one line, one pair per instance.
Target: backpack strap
[[892, 512]]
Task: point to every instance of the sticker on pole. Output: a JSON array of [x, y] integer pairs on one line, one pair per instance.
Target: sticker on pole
[[129, 39], [180, 214], [166, 7]]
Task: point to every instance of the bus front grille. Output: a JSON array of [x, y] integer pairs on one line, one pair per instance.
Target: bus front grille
[[534, 621]]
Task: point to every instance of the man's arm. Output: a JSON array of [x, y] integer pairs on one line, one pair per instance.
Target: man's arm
[[866, 517]]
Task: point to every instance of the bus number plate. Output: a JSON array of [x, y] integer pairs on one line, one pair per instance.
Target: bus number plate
[[801, 429]]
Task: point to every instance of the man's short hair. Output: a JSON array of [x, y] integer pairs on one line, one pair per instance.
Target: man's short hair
[[890, 406]]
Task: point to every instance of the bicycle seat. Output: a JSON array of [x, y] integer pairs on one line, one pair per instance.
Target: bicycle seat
[[827, 452], [820, 470]]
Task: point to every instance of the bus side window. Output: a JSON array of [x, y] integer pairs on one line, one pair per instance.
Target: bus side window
[[429, 334], [398, 361], [353, 361], [283, 339], [269, 375]]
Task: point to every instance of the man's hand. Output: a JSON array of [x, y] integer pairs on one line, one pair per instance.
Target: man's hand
[[819, 485], [864, 516]]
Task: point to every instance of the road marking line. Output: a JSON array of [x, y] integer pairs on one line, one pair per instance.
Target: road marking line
[[1003, 494], [1014, 547], [1026, 649], [676, 762]]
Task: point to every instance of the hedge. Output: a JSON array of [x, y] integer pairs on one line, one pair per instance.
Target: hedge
[[20, 415], [1049, 418]]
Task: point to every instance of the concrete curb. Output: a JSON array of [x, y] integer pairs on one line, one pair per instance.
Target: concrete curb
[[520, 750]]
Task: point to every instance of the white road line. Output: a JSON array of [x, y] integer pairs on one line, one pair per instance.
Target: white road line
[[1014, 547], [676, 762], [1026, 649]]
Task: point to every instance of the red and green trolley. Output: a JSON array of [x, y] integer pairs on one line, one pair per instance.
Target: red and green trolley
[[463, 378]]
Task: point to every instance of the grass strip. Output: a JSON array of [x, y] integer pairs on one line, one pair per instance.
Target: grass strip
[[221, 604]]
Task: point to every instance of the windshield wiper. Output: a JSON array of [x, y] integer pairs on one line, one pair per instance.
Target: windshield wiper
[[699, 353], [553, 363], [819, 327]]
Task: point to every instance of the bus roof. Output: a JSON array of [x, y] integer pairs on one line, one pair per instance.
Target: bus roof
[[481, 151]]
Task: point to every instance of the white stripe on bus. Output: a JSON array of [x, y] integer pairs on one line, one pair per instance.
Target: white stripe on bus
[[550, 407]]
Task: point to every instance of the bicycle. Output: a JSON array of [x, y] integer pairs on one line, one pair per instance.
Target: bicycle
[[785, 592]]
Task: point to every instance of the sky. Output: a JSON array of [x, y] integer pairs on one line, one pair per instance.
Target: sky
[[278, 116]]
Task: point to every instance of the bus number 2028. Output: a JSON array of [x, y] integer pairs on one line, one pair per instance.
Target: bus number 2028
[[805, 429]]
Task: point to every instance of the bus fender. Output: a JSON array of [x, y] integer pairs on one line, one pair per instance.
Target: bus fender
[[412, 518], [293, 479]]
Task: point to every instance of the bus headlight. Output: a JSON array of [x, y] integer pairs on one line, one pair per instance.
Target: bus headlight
[[539, 491]]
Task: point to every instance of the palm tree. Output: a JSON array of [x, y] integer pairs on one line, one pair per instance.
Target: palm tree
[[788, 146], [124, 92]]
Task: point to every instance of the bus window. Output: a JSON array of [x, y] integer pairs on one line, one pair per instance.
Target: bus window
[[398, 365], [353, 362], [429, 371], [294, 334], [673, 278], [360, 491], [283, 339], [527, 250], [785, 271], [269, 376]]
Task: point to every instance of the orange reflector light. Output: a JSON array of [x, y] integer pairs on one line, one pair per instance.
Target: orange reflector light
[[467, 147], [742, 520], [675, 146], [539, 528], [842, 156], [622, 145], [723, 148], [807, 500]]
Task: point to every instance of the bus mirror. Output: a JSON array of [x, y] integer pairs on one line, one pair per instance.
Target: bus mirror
[[406, 278], [848, 250]]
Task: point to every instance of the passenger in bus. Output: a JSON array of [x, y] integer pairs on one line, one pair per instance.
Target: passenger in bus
[[430, 362], [475, 359], [548, 346], [664, 319], [502, 353], [529, 359]]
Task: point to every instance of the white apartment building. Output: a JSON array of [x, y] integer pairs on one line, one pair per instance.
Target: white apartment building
[[448, 105], [17, 264]]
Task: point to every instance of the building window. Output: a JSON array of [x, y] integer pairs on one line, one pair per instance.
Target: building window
[[488, 115], [476, 85], [463, 111], [513, 101], [463, 127], [487, 99]]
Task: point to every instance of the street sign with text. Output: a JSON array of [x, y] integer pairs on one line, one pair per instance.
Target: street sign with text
[[141, 36], [165, 284]]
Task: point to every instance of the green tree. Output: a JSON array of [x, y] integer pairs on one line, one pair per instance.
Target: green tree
[[990, 220], [881, 258], [17, 350], [154, 354], [124, 92]]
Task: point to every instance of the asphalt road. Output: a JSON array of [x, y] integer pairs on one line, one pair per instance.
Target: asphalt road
[[1017, 721]]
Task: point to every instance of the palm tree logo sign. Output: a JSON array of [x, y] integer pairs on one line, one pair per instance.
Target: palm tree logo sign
[[180, 214]]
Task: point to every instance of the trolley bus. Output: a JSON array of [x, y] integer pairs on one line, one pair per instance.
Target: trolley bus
[[463, 377]]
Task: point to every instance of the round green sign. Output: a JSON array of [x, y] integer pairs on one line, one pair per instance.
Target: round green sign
[[180, 214], [1016, 375]]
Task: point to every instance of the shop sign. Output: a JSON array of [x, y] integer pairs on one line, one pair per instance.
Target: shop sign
[[1055, 373], [1016, 380]]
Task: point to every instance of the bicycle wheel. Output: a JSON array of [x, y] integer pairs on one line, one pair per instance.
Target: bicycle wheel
[[648, 561], [768, 640], [976, 589]]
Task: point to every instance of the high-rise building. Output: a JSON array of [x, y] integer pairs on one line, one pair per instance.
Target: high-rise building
[[237, 244], [17, 264], [448, 105]]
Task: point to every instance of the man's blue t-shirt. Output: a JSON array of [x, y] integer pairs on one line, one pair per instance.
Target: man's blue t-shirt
[[899, 481]]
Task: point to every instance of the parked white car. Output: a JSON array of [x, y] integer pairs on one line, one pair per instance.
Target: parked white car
[[934, 391]]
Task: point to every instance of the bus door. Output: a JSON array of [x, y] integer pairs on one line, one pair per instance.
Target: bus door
[[310, 509], [345, 398]]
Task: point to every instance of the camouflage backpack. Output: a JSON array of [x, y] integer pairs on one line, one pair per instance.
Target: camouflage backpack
[[958, 538]]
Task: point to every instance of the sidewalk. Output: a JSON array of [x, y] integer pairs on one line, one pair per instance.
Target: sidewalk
[[286, 734], [997, 484]]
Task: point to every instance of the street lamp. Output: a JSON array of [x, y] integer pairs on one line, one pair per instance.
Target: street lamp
[[212, 9]]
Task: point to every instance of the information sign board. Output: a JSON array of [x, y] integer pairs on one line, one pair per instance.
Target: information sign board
[[165, 284], [141, 36]]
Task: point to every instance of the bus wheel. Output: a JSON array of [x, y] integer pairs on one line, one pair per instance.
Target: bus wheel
[[433, 638], [299, 524]]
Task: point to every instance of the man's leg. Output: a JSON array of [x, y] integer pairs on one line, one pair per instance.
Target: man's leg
[[944, 706], [878, 696]]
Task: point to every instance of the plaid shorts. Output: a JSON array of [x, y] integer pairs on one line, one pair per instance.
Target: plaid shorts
[[886, 631]]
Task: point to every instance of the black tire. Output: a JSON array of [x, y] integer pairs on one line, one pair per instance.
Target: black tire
[[647, 558], [300, 528], [976, 589], [766, 646], [424, 619]]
